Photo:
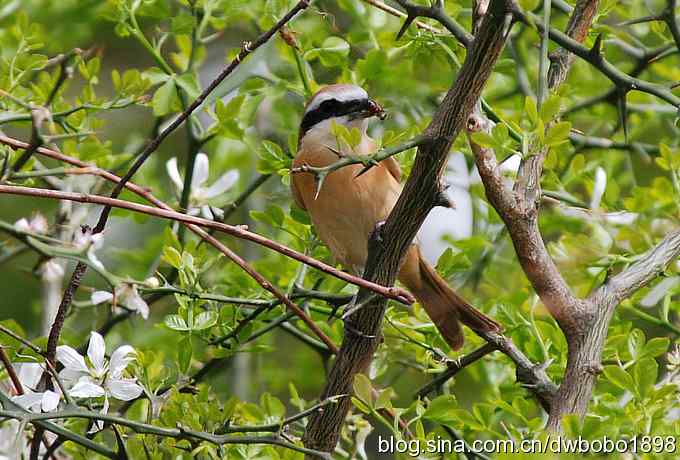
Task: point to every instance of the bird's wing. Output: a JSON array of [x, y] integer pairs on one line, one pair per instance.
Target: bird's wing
[[297, 196], [294, 183], [393, 167]]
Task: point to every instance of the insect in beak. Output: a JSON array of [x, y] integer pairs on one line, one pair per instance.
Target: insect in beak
[[375, 109]]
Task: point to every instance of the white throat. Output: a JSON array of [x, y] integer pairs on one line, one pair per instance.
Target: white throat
[[322, 133]]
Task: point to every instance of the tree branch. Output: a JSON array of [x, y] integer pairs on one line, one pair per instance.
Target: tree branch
[[647, 267], [165, 212], [79, 271], [391, 240], [436, 12]]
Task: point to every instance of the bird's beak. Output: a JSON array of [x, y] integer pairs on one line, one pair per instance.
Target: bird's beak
[[376, 110]]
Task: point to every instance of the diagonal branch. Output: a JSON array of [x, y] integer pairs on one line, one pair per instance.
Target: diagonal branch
[[79, 271], [647, 267], [622, 80], [436, 12], [421, 193]]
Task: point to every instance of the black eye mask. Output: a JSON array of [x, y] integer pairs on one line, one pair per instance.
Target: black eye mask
[[333, 108]]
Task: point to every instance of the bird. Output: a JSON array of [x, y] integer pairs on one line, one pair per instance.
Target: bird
[[350, 201]]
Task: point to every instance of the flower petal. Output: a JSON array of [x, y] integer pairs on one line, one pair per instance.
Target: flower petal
[[206, 213], [29, 400], [133, 300], [598, 188], [51, 271], [70, 377], [98, 297], [39, 224], [201, 171], [93, 259], [173, 173], [50, 401], [96, 351], [659, 291], [22, 225], [124, 389], [29, 374], [221, 185], [120, 359], [86, 388], [99, 424], [71, 359], [620, 217]]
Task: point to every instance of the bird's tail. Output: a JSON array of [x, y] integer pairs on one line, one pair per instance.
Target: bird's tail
[[443, 305]]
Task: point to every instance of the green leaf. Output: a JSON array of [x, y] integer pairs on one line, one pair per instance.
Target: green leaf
[[451, 262], [484, 139], [230, 110], [550, 108], [189, 83], [184, 353], [332, 52], [183, 23], [383, 399], [645, 372], [205, 320], [271, 158], [531, 110], [359, 404], [164, 98], [176, 323], [172, 256], [441, 409], [620, 378], [363, 389], [656, 346], [558, 134], [636, 342]]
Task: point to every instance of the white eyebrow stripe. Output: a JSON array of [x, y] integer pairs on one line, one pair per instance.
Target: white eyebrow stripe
[[347, 94]]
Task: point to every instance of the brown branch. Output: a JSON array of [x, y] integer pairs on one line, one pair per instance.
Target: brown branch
[[436, 12], [647, 267], [390, 241], [577, 28], [11, 371], [167, 212], [79, 271], [584, 322], [396, 13], [455, 367]]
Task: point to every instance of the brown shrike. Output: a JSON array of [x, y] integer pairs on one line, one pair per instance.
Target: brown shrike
[[348, 206]]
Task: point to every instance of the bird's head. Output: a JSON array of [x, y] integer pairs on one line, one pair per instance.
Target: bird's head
[[343, 104]]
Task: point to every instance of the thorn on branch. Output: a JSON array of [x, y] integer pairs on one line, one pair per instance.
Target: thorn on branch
[[508, 21], [357, 332], [376, 235], [623, 111], [443, 200], [407, 22], [596, 49], [594, 368]]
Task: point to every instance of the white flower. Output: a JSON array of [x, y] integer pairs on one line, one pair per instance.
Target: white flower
[[29, 375], [51, 271], [152, 282], [594, 214], [200, 193], [38, 224], [12, 441], [100, 377], [85, 239], [126, 294]]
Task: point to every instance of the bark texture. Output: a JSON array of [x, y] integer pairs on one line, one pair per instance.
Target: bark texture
[[389, 242]]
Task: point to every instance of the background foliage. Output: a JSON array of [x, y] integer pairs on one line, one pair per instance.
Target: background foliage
[[138, 64]]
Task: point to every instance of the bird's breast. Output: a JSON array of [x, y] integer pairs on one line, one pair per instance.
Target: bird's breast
[[347, 207]]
